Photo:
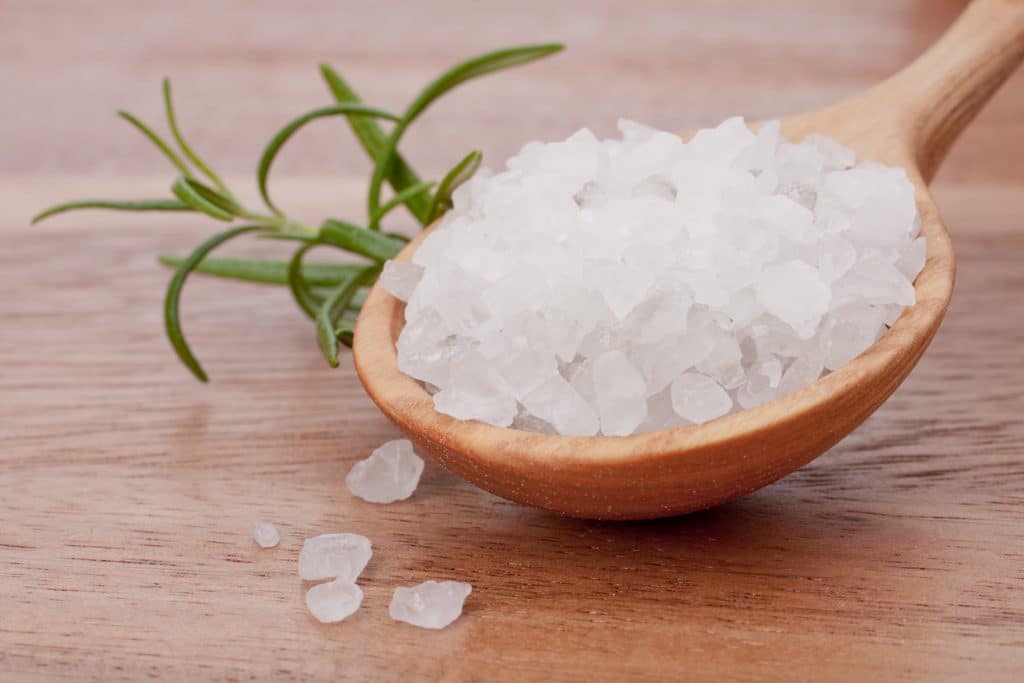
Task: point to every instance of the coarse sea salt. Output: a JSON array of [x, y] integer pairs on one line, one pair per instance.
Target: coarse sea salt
[[334, 556], [391, 473], [333, 601], [265, 534], [636, 284], [431, 604]]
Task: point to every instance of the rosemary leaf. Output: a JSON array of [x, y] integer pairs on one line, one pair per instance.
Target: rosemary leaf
[[129, 205], [472, 68], [332, 309], [399, 199], [319, 274], [345, 330], [373, 139], [349, 109], [156, 140], [171, 301], [369, 243], [172, 121], [203, 198], [460, 173], [307, 300], [288, 236]]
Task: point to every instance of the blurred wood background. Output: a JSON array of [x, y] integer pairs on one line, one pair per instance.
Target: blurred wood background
[[127, 490]]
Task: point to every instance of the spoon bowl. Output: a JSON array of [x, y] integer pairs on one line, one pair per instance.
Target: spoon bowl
[[909, 121]]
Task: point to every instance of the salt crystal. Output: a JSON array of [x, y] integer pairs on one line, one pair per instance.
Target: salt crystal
[[850, 333], [400, 278], [265, 534], [616, 286], [698, 398], [333, 601], [794, 293], [432, 604], [390, 473], [334, 556], [559, 404], [621, 394]]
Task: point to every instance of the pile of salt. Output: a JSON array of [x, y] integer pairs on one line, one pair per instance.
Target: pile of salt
[[621, 286]]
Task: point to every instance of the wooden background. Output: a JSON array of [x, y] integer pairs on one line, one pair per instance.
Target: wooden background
[[127, 489]]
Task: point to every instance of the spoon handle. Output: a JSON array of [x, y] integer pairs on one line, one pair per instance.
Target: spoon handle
[[938, 94]]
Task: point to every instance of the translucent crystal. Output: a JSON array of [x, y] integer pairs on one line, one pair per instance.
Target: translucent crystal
[[621, 394], [333, 601], [698, 398], [794, 293], [475, 391], [390, 473], [559, 404], [850, 333], [265, 534], [801, 372], [432, 604], [334, 556], [400, 278]]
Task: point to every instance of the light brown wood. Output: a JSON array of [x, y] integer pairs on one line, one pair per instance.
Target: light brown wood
[[127, 490], [911, 118]]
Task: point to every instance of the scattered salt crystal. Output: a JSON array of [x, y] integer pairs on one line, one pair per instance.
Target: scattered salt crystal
[[333, 601], [390, 473], [615, 286], [334, 556], [265, 534], [432, 604]]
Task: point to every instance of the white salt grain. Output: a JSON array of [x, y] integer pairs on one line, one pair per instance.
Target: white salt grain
[[400, 278], [390, 473], [265, 534], [432, 604], [334, 556], [333, 601], [621, 394], [633, 284], [698, 398]]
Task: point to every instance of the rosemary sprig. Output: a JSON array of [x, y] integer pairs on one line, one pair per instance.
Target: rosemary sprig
[[470, 69], [462, 172], [171, 321], [400, 176], [329, 293], [136, 205], [266, 271]]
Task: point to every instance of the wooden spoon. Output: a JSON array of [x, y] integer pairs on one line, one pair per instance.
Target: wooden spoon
[[909, 120]]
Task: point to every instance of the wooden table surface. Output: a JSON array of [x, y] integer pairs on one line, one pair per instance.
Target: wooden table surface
[[127, 489]]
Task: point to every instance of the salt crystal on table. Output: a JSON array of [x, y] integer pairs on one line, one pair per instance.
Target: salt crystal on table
[[432, 604], [333, 601], [390, 473], [265, 534], [334, 556]]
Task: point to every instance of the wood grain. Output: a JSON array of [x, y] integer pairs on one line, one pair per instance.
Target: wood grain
[[127, 489]]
